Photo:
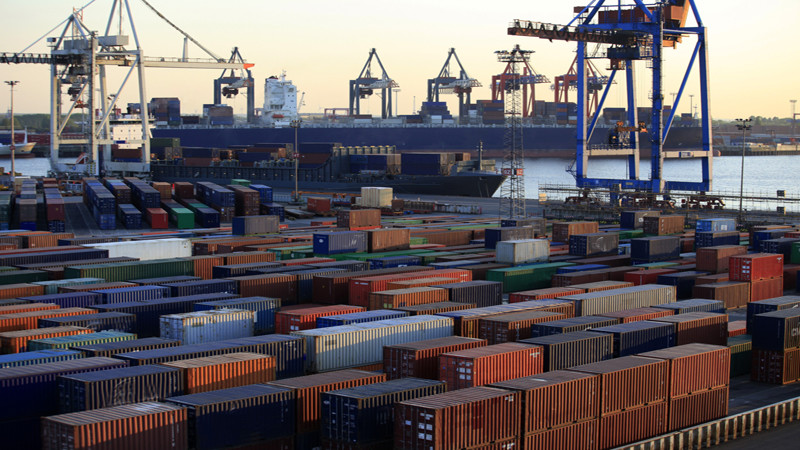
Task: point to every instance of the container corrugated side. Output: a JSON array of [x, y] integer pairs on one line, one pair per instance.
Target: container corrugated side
[[360, 344], [484, 365], [637, 337], [698, 408], [620, 299], [38, 357], [420, 359], [265, 309], [565, 350], [633, 425], [224, 371], [695, 368], [208, 326], [17, 341], [30, 320], [80, 339], [109, 349]]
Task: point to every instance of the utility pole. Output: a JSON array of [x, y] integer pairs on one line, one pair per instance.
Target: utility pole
[[296, 125], [743, 125], [12, 146]]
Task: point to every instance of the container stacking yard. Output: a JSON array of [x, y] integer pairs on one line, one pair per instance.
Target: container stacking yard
[[374, 328]]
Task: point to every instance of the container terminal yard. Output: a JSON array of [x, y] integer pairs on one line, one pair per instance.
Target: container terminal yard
[[215, 300]]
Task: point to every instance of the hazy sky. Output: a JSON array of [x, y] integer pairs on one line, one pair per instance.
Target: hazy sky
[[322, 44]]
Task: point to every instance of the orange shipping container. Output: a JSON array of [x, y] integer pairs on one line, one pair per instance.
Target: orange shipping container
[[360, 288], [20, 290], [30, 320], [304, 317], [281, 286], [694, 368], [490, 364], [698, 408], [45, 240], [359, 218], [204, 265], [764, 289], [395, 298], [13, 309], [17, 341], [248, 257], [735, 294], [582, 435], [388, 239], [633, 425], [563, 230], [663, 225], [699, 327], [420, 359], [715, 259], [224, 371]]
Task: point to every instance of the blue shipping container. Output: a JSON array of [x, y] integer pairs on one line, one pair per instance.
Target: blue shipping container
[[264, 307], [336, 242]]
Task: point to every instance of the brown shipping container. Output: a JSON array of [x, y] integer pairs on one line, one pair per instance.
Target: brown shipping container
[[513, 327], [611, 261], [633, 425], [638, 314], [735, 294], [629, 382], [360, 288], [446, 237], [435, 308], [647, 276], [563, 230], [663, 225], [304, 317], [334, 288], [204, 265], [30, 320], [359, 218], [699, 327], [420, 359], [26, 307], [764, 289], [422, 282], [776, 367], [165, 189], [582, 435], [555, 399], [406, 297], [388, 239], [45, 240], [140, 425], [598, 286], [224, 371], [694, 368], [283, 286], [592, 276], [245, 257], [308, 389], [715, 259], [94, 286], [542, 294], [469, 326], [490, 364], [479, 270], [17, 341], [698, 408], [494, 416], [711, 279]]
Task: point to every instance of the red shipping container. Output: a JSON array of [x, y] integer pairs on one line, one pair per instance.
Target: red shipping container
[[756, 267], [318, 204], [25, 307], [395, 298], [152, 425], [638, 314], [30, 320], [633, 425], [647, 276], [420, 359], [699, 327], [494, 416], [17, 341], [776, 367], [514, 326], [698, 408], [305, 317], [541, 294], [283, 286], [556, 399], [490, 364], [360, 288], [716, 259], [157, 218], [308, 389], [735, 294], [694, 368], [582, 435], [629, 382], [737, 328], [764, 289], [224, 371]]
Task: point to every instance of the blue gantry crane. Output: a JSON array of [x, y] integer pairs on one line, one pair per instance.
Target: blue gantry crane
[[365, 85], [228, 84], [630, 31]]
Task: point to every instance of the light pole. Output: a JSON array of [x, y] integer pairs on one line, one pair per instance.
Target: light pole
[[396, 101], [691, 105], [12, 146], [794, 103], [296, 125], [744, 125]]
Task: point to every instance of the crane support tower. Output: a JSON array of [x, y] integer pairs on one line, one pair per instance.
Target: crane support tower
[[527, 80], [365, 84], [631, 31], [512, 192], [447, 83], [595, 80], [80, 58], [239, 78]]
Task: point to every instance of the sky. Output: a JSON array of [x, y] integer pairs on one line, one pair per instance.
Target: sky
[[322, 44]]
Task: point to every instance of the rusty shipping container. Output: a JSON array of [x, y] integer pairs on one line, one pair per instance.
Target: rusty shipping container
[[224, 371], [513, 327], [698, 327], [715, 259], [154, 425], [633, 425], [420, 359], [466, 418], [490, 364], [735, 294]]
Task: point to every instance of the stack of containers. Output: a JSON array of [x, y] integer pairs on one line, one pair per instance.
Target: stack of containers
[[305, 317], [594, 244], [484, 365], [206, 217], [121, 191], [181, 217], [264, 192], [247, 201], [514, 326], [56, 214], [715, 259], [565, 350], [764, 272], [420, 359], [273, 209], [101, 202], [776, 346], [634, 220], [25, 208], [335, 242], [713, 232], [663, 225], [129, 216], [265, 310], [255, 224], [217, 197], [376, 197], [633, 394], [563, 230], [5, 209], [494, 235]]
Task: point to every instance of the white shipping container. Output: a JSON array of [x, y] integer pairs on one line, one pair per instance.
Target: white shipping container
[[522, 251], [208, 326], [147, 250], [376, 197], [344, 346]]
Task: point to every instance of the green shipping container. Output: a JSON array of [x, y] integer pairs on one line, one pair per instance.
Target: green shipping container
[[51, 287], [524, 278], [795, 255], [418, 241], [630, 234], [66, 342], [302, 253], [240, 182], [133, 270], [182, 218], [286, 252], [741, 354], [23, 276]]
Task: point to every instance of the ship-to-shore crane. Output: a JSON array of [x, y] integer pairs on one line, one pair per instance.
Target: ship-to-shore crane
[[447, 83], [595, 80], [79, 58], [239, 78], [365, 84], [525, 81], [631, 30]]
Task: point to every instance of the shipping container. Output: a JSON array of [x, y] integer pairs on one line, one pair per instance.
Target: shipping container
[[208, 326], [563, 230], [594, 244], [633, 425], [255, 224], [571, 325], [282, 286], [513, 327], [756, 267], [663, 225], [598, 286], [775, 366], [388, 239], [522, 251], [51, 287], [776, 330], [635, 219], [264, 308], [766, 289], [30, 320], [334, 288], [637, 314], [734, 294], [741, 348], [435, 308], [655, 249], [698, 408], [695, 305], [216, 372], [131, 294], [619, 299], [565, 350], [541, 294], [160, 425], [17, 341], [420, 358], [485, 365], [466, 322], [361, 288], [358, 317], [392, 299], [694, 368], [698, 327], [648, 276], [103, 321], [187, 288], [305, 317], [76, 340], [109, 349], [37, 357], [253, 415], [637, 337], [523, 278]]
